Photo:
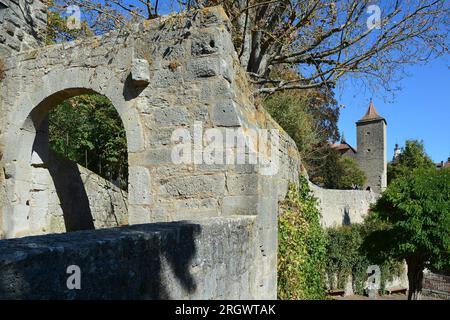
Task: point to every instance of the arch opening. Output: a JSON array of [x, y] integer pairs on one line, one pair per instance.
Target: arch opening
[[73, 165]]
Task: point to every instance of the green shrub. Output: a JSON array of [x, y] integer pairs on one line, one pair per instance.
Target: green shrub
[[347, 255], [302, 244]]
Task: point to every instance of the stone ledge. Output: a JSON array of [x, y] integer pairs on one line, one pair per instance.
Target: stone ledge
[[210, 258]]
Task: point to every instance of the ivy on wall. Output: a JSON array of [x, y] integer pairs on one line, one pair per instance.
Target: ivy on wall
[[301, 247], [308, 254]]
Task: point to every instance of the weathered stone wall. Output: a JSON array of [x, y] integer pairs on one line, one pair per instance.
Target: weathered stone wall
[[69, 197], [79, 199], [163, 75], [22, 23], [343, 207], [437, 285], [207, 259]]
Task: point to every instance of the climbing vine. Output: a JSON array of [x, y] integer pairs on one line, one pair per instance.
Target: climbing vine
[[308, 254], [302, 246]]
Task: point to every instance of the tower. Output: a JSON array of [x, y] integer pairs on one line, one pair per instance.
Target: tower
[[397, 152], [372, 149]]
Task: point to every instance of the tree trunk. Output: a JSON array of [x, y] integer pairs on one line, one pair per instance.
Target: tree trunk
[[415, 277]]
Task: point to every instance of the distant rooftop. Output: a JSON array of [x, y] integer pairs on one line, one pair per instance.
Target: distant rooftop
[[371, 114], [343, 147], [442, 164]]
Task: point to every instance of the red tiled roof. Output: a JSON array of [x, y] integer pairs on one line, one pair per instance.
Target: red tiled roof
[[371, 114], [443, 165], [342, 146]]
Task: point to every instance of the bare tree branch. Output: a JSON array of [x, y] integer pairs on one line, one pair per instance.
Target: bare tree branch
[[322, 40]]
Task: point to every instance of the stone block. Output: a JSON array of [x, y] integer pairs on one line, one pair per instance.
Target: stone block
[[205, 67], [224, 113], [158, 156], [159, 137], [195, 204], [203, 44], [170, 116], [216, 89], [240, 205], [140, 72], [194, 186], [242, 184], [139, 190]]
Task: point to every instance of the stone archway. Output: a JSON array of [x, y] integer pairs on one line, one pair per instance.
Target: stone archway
[[26, 153]]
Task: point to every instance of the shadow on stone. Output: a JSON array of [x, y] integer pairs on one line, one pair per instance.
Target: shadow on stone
[[149, 261], [346, 221], [71, 193], [131, 90]]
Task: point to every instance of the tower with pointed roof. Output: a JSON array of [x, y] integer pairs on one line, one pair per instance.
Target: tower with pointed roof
[[372, 149]]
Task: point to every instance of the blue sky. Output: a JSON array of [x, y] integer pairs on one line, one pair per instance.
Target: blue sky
[[420, 110]]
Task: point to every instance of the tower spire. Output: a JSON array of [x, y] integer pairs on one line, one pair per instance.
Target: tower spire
[[371, 114]]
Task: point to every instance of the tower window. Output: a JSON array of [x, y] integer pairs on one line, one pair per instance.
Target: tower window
[[368, 132], [368, 150]]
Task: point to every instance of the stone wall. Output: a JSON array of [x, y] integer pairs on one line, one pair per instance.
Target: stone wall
[[207, 259], [343, 207], [80, 199], [437, 285], [163, 75], [68, 197], [22, 23]]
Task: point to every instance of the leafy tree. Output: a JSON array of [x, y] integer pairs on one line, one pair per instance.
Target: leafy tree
[[301, 246], [88, 130], [324, 40], [416, 210], [413, 156], [351, 176], [340, 172], [310, 118]]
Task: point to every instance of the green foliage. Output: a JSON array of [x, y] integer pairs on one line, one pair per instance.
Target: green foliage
[[340, 172], [351, 176], [301, 246], [413, 156], [416, 207], [310, 118], [88, 130], [346, 255]]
